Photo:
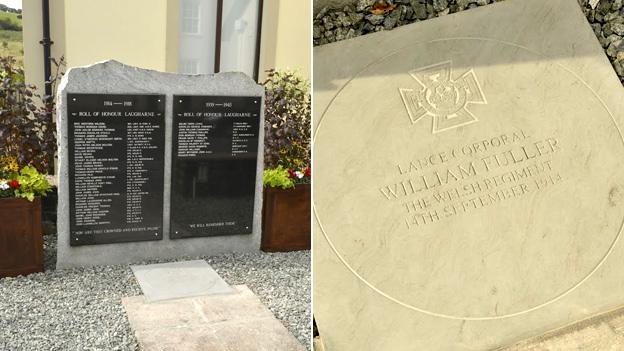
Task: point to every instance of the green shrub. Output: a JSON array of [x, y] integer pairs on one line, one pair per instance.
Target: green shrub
[[7, 24], [278, 177], [27, 131], [287, 119]]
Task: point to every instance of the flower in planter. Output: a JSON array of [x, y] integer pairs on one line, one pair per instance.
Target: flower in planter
[[27, 183], [291, 173], [296, 174], [300, 176], [9, 164], [285, 178]]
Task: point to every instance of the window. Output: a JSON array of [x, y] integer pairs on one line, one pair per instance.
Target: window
[[239, 35], [189, 66], [226, 40], [190, 16], [196, 50]]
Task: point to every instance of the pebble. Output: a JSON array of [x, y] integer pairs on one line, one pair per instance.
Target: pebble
[[618, 28], [375, 19], [80, 309]]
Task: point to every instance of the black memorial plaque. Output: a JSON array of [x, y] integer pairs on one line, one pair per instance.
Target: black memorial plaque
[[116, 168], [213, 176]]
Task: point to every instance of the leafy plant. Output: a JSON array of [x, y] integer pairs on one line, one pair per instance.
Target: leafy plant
[[31, 184], [21, 183], [278, 177], [287, 120], [27, 130]]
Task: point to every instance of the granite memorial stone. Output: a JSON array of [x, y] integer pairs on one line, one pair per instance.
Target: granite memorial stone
[[469, 187], [122, 188]]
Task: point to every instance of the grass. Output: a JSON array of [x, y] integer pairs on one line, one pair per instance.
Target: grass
[[13, 39], [11, 16]]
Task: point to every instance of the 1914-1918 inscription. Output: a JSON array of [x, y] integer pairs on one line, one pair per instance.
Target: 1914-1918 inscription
[[215, 145], [116, 152]]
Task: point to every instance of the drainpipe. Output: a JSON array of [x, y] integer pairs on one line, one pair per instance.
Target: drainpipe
[[47, 69], [46, 42]]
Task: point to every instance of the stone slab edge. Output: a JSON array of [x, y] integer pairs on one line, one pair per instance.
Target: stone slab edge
[[585, 332], [112, 77]]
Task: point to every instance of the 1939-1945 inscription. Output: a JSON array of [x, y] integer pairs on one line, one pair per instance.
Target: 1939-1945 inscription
[[215, 145], [116, 151]]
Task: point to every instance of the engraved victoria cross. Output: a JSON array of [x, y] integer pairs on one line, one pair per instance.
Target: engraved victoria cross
[[440, 96]]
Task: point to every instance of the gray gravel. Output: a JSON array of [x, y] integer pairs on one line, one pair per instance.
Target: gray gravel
[[606, 18], [281, 281], [80, 309]]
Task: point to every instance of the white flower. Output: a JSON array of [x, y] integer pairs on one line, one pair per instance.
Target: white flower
[[4, 185], [299, 174]]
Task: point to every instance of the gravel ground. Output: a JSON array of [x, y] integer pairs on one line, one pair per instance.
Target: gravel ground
[[606, 18], [80, 309]]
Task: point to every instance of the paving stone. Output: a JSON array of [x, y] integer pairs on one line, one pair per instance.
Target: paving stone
[[230, 322], [406, 262], [176, 280]]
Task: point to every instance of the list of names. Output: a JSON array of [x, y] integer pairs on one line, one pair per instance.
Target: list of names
[[116, 169]]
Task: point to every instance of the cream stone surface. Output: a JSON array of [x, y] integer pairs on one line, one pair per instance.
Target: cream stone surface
[[599, 333], [469, 188]]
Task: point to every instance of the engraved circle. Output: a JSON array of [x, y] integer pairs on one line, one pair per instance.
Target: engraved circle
[[428, 311]]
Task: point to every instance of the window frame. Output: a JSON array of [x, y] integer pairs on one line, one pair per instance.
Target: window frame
[[219, 26], [190, 61], [184, 18]]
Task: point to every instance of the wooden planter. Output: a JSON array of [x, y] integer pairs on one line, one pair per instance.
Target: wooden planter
[[286, 219], [21, 241]]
